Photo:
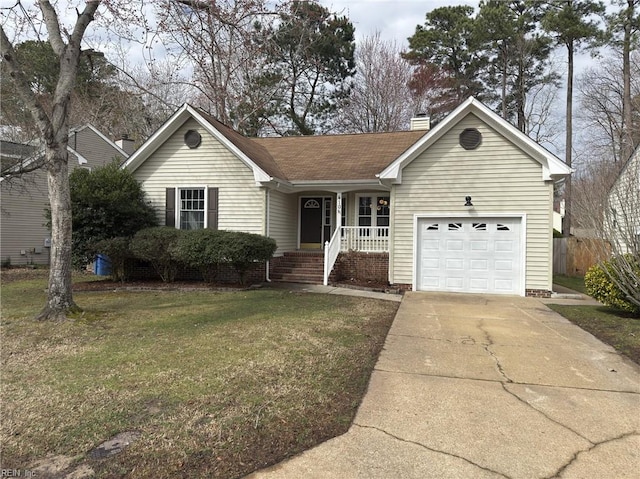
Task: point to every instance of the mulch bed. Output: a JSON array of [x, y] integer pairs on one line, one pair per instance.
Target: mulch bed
[[8, 275], [147, 285]]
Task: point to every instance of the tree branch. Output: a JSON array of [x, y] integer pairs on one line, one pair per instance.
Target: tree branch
[[22, 86], [53, 26]]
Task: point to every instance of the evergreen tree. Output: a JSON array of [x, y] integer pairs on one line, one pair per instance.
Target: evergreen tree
[[312, 54], [572, 23], [518, 53], [449, 40], [106, 202]]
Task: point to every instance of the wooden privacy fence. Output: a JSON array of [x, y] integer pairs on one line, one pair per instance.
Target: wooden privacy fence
[[574, 256]]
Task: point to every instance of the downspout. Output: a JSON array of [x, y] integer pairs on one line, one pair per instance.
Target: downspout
[[267, 226]]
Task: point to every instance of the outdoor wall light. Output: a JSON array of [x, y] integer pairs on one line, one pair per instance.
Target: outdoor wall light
[[467, 199]]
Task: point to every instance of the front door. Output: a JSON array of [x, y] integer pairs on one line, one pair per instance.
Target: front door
[[314, 222]]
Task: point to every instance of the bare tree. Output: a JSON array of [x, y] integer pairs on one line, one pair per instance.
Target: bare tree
[[224, 43], [540, 104], [151, 93], [607, 204], [602, 111], [623, 27], [44, 20], [380, 98]]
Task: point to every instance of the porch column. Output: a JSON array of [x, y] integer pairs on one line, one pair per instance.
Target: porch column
[[338, 209]]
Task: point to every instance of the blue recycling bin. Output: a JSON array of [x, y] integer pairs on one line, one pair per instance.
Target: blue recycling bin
[[103, 265]]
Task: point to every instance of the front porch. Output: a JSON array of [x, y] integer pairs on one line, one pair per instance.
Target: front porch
[[353, 253], [330, 225]]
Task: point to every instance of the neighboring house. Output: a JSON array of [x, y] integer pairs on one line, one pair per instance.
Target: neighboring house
[[622, 223], [24, 237], [558, 215], [466, 206]]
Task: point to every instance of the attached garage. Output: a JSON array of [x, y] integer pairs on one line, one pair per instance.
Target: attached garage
[[471, 255]]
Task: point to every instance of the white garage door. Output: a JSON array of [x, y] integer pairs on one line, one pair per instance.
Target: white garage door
[[474, 255]]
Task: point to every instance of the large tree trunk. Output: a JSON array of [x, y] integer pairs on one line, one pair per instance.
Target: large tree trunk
[[55, 135], [59, 295], [627, 146], [568, 143]]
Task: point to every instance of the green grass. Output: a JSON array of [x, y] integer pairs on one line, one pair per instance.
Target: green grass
[[575, 283], [620, 330], [217, 384]]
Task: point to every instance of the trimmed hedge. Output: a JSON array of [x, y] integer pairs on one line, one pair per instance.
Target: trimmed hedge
[[119, 252], [154, 246], [167, 248], [600, 285], [201, 249], [242, 250]]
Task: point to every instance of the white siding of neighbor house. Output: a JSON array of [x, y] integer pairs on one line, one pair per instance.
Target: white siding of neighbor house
[[622, 221], [498, 176], [241, 203], [283, 221], [23, 201]]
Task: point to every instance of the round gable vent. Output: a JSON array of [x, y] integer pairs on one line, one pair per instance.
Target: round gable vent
[[470, 139], [192, 139]]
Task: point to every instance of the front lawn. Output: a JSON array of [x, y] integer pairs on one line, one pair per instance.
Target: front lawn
[[620, 330], [575, 283], [212, 384]]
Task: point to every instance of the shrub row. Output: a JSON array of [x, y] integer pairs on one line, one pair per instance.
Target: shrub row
[[616, 283], [166, 249]]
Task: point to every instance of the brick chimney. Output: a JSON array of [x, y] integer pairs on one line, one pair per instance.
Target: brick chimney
[[420, 122], [126, 143]]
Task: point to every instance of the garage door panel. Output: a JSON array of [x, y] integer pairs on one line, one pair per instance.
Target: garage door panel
[[430, 263], [431, 282], [454, 283], [454, 245], [430, 244], [503, 285], [479, 245], [454, 264], [479, 265], [504, 246], [504, 265], [474, 255], [479, 284]]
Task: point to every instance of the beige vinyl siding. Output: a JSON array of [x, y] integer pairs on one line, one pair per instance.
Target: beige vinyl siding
[[283, 221], [23, 201], [498, 176], [241, 203]]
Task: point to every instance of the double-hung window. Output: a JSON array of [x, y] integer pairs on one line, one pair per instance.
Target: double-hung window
[[192, 208]]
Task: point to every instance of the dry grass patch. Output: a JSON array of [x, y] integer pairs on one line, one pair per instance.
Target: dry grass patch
[[217, 384], [616, 328]]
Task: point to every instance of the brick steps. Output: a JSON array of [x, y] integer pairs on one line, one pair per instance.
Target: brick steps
[[300, 267]]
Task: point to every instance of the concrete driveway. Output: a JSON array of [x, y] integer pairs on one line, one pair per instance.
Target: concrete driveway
[[472, 386]]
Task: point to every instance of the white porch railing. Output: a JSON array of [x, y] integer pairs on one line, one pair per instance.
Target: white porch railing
[[331, 251], [372, 239], [354, 238]]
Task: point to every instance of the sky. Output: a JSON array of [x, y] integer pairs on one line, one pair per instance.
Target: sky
[[394, 19]]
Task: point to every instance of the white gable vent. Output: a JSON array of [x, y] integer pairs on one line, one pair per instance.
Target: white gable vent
[[470, 139]]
